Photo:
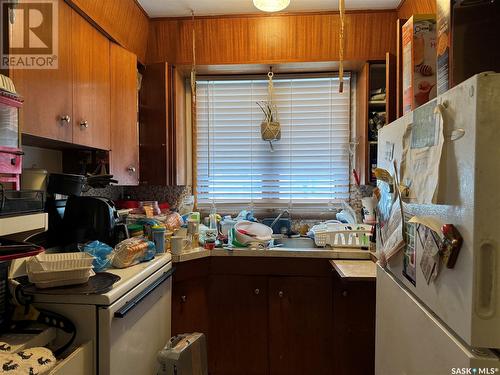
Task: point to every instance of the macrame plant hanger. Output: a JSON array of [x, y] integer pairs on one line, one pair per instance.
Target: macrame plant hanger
[[193, 113], [341, 45], [270, 128]]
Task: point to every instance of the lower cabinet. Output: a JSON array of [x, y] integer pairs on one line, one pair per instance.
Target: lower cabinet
[[300, 325], [277, 318], [238, 342], [354, 327], [190, 306]]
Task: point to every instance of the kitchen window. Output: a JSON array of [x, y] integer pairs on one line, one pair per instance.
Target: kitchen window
[[309, 165]]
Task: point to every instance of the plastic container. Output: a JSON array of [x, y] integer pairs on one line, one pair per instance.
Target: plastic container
[[249, 231], [158, 233], [342, 235], [135, 230], [60, 261], [34, 179], [150, 207], [52, 270], [64, 278]]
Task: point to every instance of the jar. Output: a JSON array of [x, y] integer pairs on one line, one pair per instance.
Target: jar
[[168, 240]]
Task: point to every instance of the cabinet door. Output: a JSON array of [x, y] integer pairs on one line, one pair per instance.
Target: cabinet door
[[48, 92], [124, 154], [300, 325], [91, 89], [390, 87], [190, 306], [154, 124], [238, 321], [354, 327]]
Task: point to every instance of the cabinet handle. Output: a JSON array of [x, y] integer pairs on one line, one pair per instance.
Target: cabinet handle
[[256, 291], [183, 299], [131, 169], [345, 293], [84, 124], [280, 294], [65, 119]]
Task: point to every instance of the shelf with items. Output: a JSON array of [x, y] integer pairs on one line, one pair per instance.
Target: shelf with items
[[375, 106]]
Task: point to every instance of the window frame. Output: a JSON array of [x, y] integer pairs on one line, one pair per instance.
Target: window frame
[[312, 206]]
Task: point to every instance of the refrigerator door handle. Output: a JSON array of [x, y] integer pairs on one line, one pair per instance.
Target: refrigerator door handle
[[133, 303], [486, 283]]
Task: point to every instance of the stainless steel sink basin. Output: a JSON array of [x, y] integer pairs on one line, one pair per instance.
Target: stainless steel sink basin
[[295, 243]]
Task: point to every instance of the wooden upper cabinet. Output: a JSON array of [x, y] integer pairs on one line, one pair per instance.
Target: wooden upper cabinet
[[124, 154], [91, 86], [162, 130], [48, 92], [154, 118]]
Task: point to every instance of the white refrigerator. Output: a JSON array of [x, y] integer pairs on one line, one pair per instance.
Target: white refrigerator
[[452, 324]]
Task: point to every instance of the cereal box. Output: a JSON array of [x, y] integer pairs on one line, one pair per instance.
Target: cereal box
[[419, 61], [443, 45]]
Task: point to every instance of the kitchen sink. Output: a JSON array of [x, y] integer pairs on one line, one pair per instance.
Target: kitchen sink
[[295, 243]]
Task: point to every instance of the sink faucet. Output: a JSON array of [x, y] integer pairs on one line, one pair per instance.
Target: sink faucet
[[279, 217]]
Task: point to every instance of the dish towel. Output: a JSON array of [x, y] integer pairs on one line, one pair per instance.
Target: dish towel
[[34, 361]]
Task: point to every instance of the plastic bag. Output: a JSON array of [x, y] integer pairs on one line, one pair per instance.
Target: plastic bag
[[101, 252], [132, 251], [173, 221]]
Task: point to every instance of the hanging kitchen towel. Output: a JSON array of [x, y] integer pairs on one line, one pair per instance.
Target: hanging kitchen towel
[[34, 361]]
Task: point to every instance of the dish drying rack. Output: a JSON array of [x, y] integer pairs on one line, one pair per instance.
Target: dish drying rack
[[342, 235]]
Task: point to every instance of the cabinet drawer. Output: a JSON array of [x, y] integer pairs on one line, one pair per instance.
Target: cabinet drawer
[[10, 162], [79, 362]]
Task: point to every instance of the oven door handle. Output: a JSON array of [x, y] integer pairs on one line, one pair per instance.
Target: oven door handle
[[134, 302]]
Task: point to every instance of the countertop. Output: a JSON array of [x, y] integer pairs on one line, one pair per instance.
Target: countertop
[[339, 253], [355, 269]]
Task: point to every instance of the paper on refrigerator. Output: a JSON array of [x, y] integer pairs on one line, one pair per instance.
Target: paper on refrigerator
[[422, 149], [390, 220]]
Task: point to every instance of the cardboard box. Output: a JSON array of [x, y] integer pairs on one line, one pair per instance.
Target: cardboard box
[[467, 40], [419, 61], [443, 72]]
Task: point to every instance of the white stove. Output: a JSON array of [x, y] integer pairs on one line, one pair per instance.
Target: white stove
[[129, 324]]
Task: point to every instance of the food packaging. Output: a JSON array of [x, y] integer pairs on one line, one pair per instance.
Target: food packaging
[[132, 251], [52, 270], [419, 61]]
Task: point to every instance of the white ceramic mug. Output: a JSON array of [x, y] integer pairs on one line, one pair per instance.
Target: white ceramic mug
[[178, 244]]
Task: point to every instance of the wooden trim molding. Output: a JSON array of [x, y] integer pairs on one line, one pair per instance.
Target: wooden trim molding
[[408, 8], [124, 21], [272, 39]]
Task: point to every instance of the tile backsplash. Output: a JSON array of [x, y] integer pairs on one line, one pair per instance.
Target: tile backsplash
[[175, 194], [171, 194]]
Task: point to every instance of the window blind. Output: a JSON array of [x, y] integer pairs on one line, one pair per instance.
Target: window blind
[[310, 164]]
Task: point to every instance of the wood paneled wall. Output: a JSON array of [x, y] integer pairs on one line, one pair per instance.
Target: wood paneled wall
[[251, 39], [410, 7], [123, 20]]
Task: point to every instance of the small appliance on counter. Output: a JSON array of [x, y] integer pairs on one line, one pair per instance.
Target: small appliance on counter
[[76, 219], [91, 218]]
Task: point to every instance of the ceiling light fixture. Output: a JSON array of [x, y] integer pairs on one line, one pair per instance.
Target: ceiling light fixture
[[271, 5]]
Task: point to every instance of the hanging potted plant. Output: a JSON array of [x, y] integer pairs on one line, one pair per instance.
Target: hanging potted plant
[[270, 128]]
